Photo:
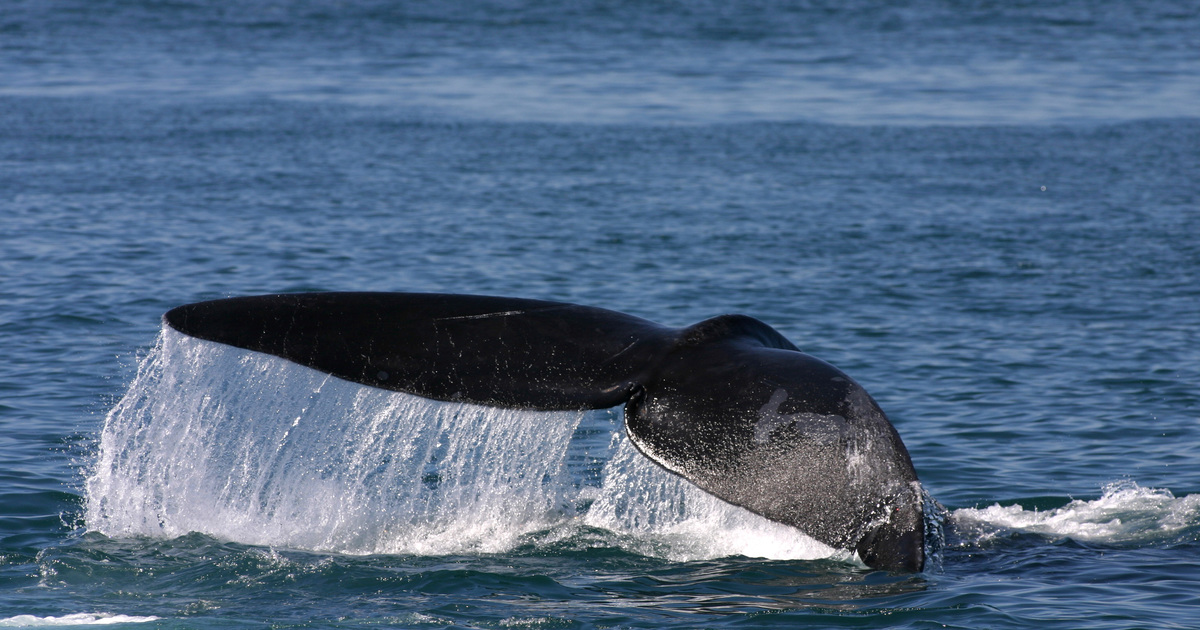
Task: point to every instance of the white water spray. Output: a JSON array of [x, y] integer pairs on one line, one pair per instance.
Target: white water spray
[[662, 514], [255, 449], [251, 448], [1125, 513]]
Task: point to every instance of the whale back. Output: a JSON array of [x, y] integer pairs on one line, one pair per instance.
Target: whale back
[[729, 403]]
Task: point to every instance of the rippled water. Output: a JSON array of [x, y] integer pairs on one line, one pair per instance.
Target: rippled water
[[987, 215]]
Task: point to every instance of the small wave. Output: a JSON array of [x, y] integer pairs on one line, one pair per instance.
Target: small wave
[[1124, 513], [78, 619]]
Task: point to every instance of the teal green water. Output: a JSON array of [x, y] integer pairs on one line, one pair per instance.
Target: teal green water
[[987, 216]]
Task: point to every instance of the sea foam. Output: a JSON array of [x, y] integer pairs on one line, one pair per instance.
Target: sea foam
[[77, 619], [1124, 513]]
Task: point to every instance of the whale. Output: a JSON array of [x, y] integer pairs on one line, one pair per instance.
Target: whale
[[729, 404]]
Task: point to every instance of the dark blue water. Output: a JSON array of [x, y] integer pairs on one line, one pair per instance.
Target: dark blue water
[[989, 215]]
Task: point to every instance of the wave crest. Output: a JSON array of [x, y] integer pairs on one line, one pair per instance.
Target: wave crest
[[1124, 513], [77, 619]]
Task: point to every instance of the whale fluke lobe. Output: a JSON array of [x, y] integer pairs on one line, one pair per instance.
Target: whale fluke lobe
[[493, 351], [729, 403]]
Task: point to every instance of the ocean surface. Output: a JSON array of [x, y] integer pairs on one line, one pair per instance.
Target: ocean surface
[[986, 213]]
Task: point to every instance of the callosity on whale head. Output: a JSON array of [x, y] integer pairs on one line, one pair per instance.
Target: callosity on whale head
[[728, 404]]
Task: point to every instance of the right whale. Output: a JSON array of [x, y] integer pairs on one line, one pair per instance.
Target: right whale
[[728, 404]]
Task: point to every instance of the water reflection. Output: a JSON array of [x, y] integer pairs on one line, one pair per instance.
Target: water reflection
[[746, 586]]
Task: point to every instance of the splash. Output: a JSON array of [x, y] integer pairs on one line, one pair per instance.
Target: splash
[[251, 448], [661, 514], [1125, 513]]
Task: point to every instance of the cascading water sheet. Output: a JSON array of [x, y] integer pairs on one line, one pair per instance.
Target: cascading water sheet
[[251, 448], [663, 515]]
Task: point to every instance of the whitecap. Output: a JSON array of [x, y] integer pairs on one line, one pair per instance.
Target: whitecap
[[77, 619], [1124, 513]]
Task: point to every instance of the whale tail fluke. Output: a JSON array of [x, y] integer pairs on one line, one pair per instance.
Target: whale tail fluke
[[505, 352], [729, 403]]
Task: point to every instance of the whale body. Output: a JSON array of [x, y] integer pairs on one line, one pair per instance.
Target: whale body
[[728, 404]]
